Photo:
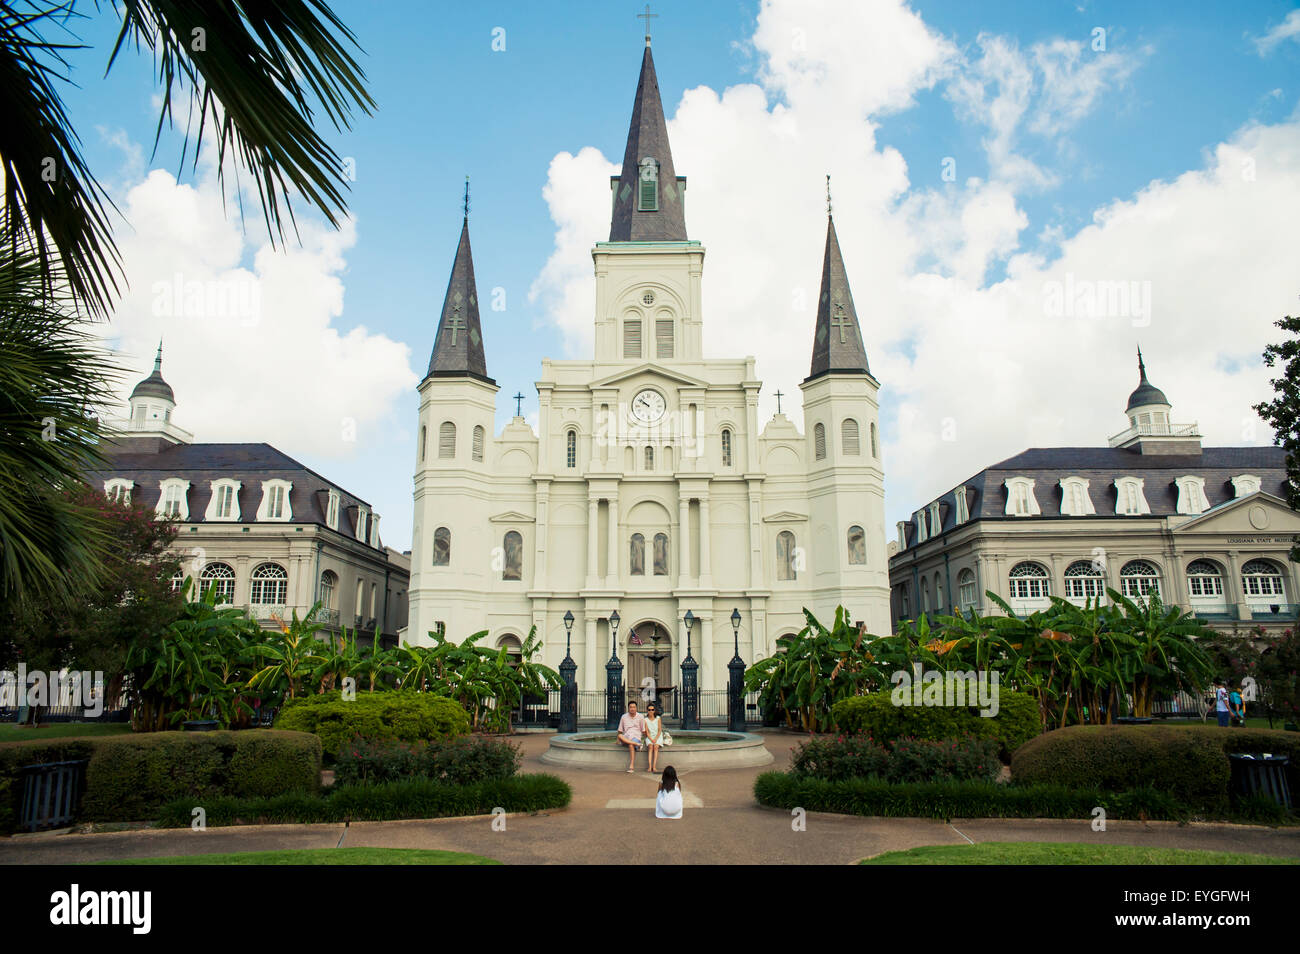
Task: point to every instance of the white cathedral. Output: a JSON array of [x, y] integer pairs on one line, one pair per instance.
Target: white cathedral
[[651, 490]]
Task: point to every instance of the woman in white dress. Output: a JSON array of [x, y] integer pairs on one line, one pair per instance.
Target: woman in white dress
[[654, 735], [668, 803]]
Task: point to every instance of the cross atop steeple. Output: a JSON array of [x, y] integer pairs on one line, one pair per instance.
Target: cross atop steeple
[[647, 17], [779, 395], [467, 198], [519, 399], [828, 195]]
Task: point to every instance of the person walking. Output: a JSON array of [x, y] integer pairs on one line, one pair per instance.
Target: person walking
[[1237, 707], [1221, 711], [669, 800], [654, 735], [631, 731]]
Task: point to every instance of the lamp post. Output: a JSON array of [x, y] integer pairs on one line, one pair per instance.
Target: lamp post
[[690, 682], [569, 688], [613, 678], [736, 683]]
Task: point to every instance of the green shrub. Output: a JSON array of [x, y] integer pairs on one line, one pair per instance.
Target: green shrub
[[458, 761], [851, 756], [396, 716], [876, 715], [907, 760], [411, 798], [948, 800], [130, 777]]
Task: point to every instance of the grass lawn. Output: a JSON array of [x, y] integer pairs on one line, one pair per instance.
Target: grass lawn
[[10, 732], [1252, 722], [1057, 853], [320, 856]]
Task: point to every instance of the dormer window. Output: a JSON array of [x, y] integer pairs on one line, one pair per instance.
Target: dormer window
[[1075, 500], [963, 507], [921, 532], [172, 501], [902, 534], [374, 530], [1021, 501], [1244, 485], [1191, 495], [118, 490], [224, 504], [362, 515], [1130, 501], [332, 511], [936, 520], [648, 186], [275, 500]]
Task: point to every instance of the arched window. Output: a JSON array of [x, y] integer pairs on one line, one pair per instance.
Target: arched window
[[446, 441], [1261, 582], [1138, 579], [925, 595], [819, 441], [424, 442], [359, 606], [849, 438], [476, 445], [857, 546], [874, 451], [219, 577], [1029, 582], [1083, 581], [637, 556], [442, 547], [1204, 580], [726, 448], [661, 554], [785, 556], [966, 594], [118, 490], [178, 580], [649, 458], [328, 591], [939, 603], [270, 585], [571, 449], [514, 564]]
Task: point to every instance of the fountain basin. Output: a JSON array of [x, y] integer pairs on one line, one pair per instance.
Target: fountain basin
[[708, 749]]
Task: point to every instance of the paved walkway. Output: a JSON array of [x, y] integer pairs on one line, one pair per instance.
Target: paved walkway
[[611, 821]]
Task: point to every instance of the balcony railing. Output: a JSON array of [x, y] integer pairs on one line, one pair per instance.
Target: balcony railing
[[1188, 431], [329, 617], [264, 611]]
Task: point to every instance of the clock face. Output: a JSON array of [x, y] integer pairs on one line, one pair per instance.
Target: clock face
[[648, 406]]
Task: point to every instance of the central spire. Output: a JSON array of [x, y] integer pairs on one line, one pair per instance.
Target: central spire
[[648, 196]]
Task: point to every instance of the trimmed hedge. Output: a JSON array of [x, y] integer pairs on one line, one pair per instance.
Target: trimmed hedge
[[392, 716], [459, 761], [876, 715], [1189, 762], [415, 798], [130, 777], [948, 800]]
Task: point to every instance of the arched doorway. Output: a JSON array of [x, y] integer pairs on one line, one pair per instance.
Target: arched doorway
[[649, 653]]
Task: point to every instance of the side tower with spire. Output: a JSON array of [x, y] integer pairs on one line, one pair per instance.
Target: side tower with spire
[[1151, 429], [453, 446], [846, 495]]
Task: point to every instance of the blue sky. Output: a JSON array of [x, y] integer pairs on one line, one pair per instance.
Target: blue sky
[[1188, 77]]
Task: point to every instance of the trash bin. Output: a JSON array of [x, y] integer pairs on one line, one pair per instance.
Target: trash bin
[[1256, 773], [51, 793]]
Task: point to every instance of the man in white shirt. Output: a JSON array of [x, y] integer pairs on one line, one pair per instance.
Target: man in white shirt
[[631, 728]]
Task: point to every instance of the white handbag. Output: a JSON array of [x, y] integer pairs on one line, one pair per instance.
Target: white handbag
[[666, 739]]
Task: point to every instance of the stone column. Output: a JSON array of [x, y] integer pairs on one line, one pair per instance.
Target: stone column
[[593, 545], [613, 563], [590, 662], [1232, 589], [544, 430], [706, 564], [683, 540], [542, 528], [755, 535]]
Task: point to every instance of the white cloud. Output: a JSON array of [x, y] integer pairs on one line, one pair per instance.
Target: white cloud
[[1288, 29], [253, 343], [971, 372]]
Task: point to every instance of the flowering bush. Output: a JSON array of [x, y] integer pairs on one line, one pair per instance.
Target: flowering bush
[[458, 761], [835, 758]]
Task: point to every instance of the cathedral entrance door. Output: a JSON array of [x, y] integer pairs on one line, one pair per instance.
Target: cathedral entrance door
[[649, 665]]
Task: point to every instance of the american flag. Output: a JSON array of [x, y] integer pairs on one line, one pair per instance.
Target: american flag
[[635, 640]]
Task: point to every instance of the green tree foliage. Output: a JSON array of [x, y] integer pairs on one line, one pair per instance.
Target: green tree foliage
[[1283, 412]]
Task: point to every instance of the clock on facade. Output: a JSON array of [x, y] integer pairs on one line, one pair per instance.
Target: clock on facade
[[648, 406]]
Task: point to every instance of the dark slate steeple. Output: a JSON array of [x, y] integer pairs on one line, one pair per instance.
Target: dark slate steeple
[[837, 341], [1146, 392], [458, 348], [647, 139]]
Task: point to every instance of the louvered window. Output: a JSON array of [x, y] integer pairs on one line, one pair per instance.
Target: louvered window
[[446, 441], [632, 338], [664, 337], [476, 447], [819, 442], [850, 435]]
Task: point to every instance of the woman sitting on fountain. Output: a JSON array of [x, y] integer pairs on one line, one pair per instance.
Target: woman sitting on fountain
[[654, 734]]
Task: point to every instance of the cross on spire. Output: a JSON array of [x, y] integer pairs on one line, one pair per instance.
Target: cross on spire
[[779, 395], [455, 323], [467, 198], [828, 193], [519, 398], [840, 320], [647, 17]]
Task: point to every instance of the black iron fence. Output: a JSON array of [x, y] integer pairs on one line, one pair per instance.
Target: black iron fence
[[544, 712], [51, 793], [119, 712]]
